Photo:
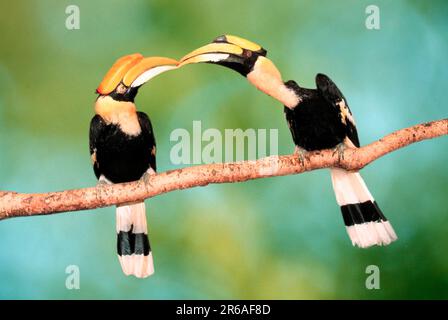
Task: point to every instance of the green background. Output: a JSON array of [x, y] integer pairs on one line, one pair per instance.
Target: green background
[[271, 238]]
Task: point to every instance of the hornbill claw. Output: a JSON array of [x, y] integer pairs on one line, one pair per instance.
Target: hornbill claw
[[301, 154], [339, 149], [146, 177]]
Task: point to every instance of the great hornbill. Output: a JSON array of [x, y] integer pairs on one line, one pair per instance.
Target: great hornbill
[[123, 149], [318, 119]]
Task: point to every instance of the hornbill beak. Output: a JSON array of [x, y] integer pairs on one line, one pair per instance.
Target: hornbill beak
[[248, 59], [132, 71], [230, 51]]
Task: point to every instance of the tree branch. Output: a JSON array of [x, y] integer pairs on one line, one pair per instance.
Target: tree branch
[[13, 204]]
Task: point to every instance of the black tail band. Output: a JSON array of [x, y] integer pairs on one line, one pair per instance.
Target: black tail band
[[358, 213], [129, 243]]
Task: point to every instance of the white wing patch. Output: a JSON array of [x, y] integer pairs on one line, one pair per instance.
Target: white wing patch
[[346, 114], [93, 156]]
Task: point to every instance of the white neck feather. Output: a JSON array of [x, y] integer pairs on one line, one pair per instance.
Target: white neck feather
[[121, 113], [266, 77]]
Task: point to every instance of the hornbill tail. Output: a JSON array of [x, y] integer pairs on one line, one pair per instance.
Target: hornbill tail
[[133, 248], [365, 223]]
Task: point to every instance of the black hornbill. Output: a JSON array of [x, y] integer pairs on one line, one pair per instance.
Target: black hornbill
[[123, 149], [318, 119]]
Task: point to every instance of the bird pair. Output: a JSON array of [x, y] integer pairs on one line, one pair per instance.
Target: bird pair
[[123, 146]]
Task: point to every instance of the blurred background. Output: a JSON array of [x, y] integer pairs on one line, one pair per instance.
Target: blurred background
[[279, 238]]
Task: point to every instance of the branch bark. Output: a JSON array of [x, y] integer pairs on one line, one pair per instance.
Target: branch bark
[[13, 204]]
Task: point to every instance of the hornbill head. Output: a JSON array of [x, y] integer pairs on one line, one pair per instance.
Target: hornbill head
[[230, 51], [128, 73], [248, 59]]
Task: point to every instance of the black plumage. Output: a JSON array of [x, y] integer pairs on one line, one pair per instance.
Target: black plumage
[[322, 120], [119, 156], [318, 121]]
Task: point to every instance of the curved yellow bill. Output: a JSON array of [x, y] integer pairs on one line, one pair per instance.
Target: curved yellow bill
[[223, 49], [146, 69], [116, 73], [213, 48]]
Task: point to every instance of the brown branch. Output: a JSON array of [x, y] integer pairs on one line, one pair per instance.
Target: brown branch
[[14, 204]]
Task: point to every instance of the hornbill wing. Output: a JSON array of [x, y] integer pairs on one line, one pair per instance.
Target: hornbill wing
[[352, 133], [96, 126], [331, 93], [292, 123], [147, 130]]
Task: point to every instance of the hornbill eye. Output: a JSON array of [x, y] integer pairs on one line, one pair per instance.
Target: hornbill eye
[[121, 89]]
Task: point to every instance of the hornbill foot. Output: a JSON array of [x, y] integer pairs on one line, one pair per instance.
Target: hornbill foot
[[339, 149], [103, 181], [146, 177], [300, 153]]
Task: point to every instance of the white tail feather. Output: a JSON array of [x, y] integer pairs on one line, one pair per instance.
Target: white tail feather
[[138, 265], [350, 189], [368, 234], [133, 218]]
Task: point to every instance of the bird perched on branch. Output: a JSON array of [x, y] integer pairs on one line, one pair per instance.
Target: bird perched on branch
[[318, 119], [123, 149]]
